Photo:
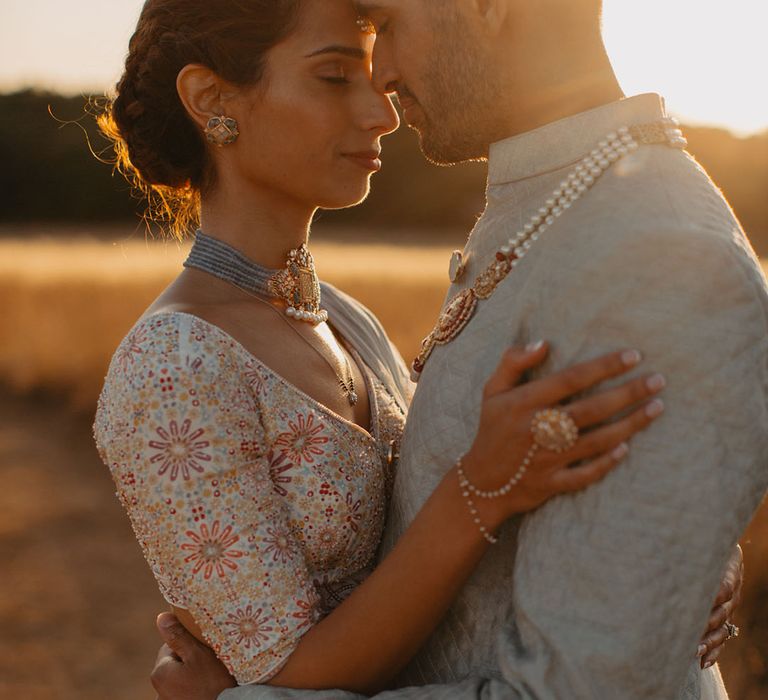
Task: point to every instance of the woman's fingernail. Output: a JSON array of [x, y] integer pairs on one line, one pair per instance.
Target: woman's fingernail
[[534, 346], [655, 408], [621, 451], [708, 664], [656, 383], [631, 357], [701, 650]]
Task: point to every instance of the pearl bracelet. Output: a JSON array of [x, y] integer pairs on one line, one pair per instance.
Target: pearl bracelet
[[516, 478], [463, 482]]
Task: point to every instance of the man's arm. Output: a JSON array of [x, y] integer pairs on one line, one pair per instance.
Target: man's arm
[[186, 669], [613, 586]]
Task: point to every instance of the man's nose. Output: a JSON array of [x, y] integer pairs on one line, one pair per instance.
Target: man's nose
[[385, 73]]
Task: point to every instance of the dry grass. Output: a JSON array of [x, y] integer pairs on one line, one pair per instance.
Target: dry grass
[[65, 306]]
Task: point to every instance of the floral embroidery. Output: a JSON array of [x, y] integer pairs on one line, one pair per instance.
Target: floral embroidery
[[277, 472], [211, 550], [257, 511], [303, 441], [130, 348], [254, 378], [305, 613], [180, 450], [280, 546], [249, 627], [354, 512]]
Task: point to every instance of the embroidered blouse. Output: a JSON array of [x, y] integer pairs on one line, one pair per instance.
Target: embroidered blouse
[[258, 509]]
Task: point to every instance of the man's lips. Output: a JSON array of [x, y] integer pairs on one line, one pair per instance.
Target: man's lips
[[366, 159]]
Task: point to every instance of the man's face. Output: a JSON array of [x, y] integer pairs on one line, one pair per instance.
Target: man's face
[[427, 51]]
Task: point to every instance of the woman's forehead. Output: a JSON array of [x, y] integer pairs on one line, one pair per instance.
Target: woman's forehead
[[331, 22]]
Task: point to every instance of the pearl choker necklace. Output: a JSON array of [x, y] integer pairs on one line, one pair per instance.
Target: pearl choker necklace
[[297, 285], [616, 145]]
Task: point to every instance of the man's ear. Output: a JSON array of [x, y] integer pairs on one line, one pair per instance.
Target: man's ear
[[200, 91]]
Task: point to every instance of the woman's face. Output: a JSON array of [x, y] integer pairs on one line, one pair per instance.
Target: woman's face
[[311, 129]]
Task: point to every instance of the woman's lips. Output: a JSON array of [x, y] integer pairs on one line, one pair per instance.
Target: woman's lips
[[366, 159]]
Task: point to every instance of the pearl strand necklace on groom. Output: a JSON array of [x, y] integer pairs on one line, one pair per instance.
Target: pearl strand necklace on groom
[[615, 146]]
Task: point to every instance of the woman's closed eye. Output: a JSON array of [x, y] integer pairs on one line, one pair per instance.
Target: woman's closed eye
[[336, 75], [336, 80]]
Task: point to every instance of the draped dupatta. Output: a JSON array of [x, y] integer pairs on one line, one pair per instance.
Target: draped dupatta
[[365, 333]]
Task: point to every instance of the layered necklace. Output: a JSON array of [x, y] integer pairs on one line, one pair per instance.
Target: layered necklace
[[615, 146], [297, 286]]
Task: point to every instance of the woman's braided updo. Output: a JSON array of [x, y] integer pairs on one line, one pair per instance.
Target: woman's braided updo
[[157, 145]]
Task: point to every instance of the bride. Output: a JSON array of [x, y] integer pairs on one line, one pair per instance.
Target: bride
[[251, 417]]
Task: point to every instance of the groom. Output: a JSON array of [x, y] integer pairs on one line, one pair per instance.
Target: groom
[[599, 596]]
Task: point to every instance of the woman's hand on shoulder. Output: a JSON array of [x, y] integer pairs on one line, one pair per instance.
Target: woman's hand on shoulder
[[518, 474]]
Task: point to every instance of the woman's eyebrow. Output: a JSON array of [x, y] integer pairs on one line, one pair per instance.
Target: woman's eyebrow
[[351, 51]]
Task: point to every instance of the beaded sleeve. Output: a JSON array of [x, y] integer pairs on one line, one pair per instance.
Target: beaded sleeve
[[179, 427]]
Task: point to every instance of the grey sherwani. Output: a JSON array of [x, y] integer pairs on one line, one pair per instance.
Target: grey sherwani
[[602, 595]]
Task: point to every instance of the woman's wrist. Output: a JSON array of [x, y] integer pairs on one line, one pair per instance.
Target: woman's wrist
[[485, 515]]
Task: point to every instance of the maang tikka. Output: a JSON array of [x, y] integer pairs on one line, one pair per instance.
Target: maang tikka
[[222, 131]]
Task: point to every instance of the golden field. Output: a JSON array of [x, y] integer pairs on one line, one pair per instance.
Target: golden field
[[77, 602], [66, 305]]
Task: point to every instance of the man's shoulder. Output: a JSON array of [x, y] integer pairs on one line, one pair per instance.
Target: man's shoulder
[[661, 210], [656, 235], [667, 192]]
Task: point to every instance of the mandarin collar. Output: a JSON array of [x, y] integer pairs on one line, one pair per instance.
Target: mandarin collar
[[562, 143]]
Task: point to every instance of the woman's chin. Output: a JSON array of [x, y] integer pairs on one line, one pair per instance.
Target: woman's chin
[[348, 199]]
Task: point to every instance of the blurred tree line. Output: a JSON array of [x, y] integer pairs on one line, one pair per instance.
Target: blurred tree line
[[49, 174]]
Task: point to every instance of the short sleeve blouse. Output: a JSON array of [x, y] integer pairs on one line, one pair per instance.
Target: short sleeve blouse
[[257, 508]]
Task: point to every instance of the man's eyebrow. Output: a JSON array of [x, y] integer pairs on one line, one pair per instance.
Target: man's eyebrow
[[351, 51]]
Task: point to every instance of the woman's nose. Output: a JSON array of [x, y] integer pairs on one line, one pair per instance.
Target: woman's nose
[[388, 118], [378, 113]]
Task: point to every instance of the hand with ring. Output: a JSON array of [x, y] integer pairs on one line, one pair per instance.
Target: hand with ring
[[720, 629], [536, 441]]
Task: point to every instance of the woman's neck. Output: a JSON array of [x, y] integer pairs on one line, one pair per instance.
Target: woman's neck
[[262, 225]]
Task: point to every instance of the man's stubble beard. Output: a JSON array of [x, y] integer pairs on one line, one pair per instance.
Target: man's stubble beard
[[459, 96]]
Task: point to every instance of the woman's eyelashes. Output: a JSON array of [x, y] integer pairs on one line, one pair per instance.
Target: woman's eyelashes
[[336, 80], [335, 75]]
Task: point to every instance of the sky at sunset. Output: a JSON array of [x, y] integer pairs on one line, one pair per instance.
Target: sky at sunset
[[707, 57]]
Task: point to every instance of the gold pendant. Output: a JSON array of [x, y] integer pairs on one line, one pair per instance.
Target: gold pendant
[[299, 287], [457, 267], [456, 316], [451, 323], [491, 277]]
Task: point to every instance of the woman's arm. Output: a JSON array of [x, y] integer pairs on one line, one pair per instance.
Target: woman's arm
[[186, 669], [362, 644], [181, 430]]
